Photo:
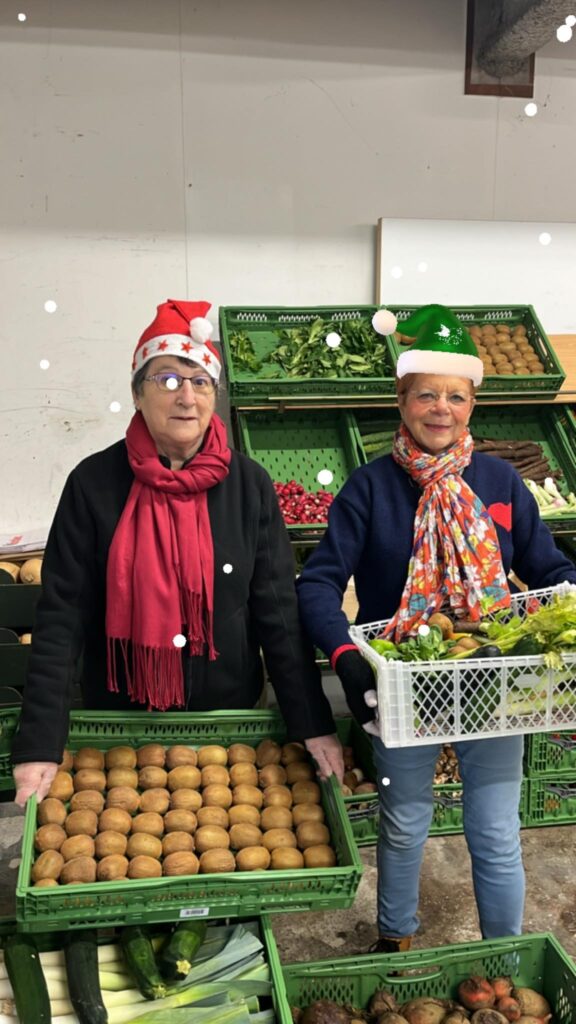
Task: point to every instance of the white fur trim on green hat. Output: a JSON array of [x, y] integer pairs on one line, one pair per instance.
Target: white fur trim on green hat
[[448, 364]]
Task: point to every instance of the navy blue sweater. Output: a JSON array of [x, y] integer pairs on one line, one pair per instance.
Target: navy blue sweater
[[369, 537]]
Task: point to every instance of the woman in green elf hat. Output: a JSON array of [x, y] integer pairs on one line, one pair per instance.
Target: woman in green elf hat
[[431, 526]]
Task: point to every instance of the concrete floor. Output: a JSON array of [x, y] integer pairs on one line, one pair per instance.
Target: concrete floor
[[447, 914]]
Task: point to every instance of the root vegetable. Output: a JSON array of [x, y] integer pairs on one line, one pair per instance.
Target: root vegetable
[[476, 993], [532, 1004], [390, 1018], [529, 1019], [382, 1002], [424, 1011], [502, 986], [488, 1017], [510, 1007], [457, 1016], [323, 1011]]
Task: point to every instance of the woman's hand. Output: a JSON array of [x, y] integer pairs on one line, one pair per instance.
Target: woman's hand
[[327, 753], [34, 777]]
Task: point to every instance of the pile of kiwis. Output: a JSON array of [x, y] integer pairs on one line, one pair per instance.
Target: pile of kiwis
[[129, 813], [505, 349], [355, 783]]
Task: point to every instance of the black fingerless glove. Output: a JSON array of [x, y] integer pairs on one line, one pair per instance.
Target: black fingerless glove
[[356, 677]]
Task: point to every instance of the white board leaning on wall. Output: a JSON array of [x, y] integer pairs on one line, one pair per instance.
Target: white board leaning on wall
[[480, 263]]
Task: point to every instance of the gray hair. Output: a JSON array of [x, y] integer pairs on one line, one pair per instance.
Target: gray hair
[[140, 375]]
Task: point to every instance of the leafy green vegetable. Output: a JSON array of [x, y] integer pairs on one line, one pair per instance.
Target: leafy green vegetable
[[243, 354]]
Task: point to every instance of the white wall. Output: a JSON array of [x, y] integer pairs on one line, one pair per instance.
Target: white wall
[[240, 152]]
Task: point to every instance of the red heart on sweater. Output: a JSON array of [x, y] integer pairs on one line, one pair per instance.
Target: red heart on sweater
[[501, 514]]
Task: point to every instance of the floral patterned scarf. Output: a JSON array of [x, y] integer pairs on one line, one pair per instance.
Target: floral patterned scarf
[[456, 558]]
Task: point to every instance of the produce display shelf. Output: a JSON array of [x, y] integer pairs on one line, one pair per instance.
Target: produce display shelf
[[537, 961], [263, 325], [8, 721], [516, 388], [17, 608], [299, 446], [552, 427], [164, 899], [424, 702], [551, 755], [551, 802]]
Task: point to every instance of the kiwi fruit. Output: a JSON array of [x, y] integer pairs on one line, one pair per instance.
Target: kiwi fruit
[[185, 800], [180, 821], [87, 800], [177, 842], [212, 754], [247, 813], [299, 771], [88, 757], [276, 816], [114, 819], [307, 812], [51, 812], [122, 777], [268, 752], [110, 868], [181, 862], [155, 800], [276, 837], [319, 857], [217, 795], [306, 793], [152, 777], [62, 786], [272, 775], [48, 865], [144, 867], [150, 822], [78, 846], [89, 778], [79, 869], [110, 843], [241, 753], [293, 752], [245, 835], [213, 815], [247, 795], [215, 775], [286, 858], [243, 773], [217, 861], [142, 844], [151, 755], [81, 823], [312, 833], [210, 836], [179, 755], [125, 797], [186, 776], [253, 858], [120, 757]]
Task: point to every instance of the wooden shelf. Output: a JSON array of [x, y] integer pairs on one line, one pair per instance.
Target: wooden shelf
[[564, 346]]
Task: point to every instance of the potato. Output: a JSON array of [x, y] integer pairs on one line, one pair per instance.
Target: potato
[[78, 846], [248, 813], [67, 762], [114, 819], [312, 833], [245, 835], [177, 842], [185, 800], [275, 816], [155, 800], [277, 795], [319, 857], [48, 865], [89, 778], [293, 752], [144, 867], [214, 862], [299, 771], [142, 844], [253, 858], [272, 775], [215, 775], [51, 812], [150, 822], [81, 823], [112, 867], [181, 863], [120, 757], [79, 869], [180, 821], [187, 776], [243, 773], [306, 793], [276, 837], [519, 329], [180, 755], [209, 836], [61, 787], [49, 837], [241, 753], [307, 812], [87, 800], [45, 883], [108, 844], [268, 752], [286, 858], [88, 757], [212, 754], [213, 815], [152, 777], [151, 754], [247, 795], [217, 796], [122, 777], [124, 797]]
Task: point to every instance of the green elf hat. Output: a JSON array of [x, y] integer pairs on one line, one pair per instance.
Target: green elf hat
[[441, 345]]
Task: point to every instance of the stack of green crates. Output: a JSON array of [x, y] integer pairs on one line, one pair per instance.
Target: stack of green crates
[[550, 768]]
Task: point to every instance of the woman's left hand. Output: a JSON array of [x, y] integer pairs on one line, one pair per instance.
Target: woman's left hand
[[327, 753]]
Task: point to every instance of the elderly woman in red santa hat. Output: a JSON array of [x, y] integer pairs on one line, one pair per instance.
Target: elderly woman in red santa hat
[[167, 571]]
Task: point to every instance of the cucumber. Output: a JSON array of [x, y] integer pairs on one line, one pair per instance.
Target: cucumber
[[177, 954], [27, 979], [139, 954], [81, 958]]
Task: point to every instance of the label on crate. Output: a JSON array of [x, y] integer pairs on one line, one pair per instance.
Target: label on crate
[[194, 912]]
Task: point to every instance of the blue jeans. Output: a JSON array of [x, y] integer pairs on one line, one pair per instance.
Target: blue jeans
[[491, 771]]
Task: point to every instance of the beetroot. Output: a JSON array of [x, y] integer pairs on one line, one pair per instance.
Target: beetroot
[[488, 1017], [476, 993], [323, 1011], [424, 1011], [502, 986], [382, 1002], [510, 1007]]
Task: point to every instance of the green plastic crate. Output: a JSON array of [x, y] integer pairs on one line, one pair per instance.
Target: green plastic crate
[[262, 324], [537, 961], [551, 755], [551, 802], [164, 899], [362, 809], [542, 385], [553, 427], [299, 445]]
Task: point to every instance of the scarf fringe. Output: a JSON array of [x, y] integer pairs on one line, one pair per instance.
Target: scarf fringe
[[198, 616], [154, 675]]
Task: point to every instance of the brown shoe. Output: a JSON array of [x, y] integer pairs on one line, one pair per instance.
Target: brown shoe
[[386, 944]]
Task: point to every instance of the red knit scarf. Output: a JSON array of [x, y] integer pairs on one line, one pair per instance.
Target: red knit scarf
[[160, 572]]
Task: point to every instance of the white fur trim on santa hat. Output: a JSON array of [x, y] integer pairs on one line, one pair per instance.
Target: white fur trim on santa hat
[[200, 329], [448, 364], [181, 345]]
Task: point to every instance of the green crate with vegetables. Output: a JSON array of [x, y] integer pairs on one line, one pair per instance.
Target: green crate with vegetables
[[519, 361], [236, 870], [551, 755], [209, 972], [294, 354], [8, 721], [543, 979], [551, 802], [361, 797]]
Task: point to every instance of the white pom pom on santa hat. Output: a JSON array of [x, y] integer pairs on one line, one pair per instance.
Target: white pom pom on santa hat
[[200, 329], [384, 322]]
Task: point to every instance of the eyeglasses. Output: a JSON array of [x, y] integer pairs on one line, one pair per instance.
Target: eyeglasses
[[455, 399], [168, 381]]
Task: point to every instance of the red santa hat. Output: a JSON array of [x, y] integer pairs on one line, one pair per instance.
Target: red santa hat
[[179, 329]]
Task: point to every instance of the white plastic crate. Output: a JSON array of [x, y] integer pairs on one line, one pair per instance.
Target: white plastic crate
[[425, 702]]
